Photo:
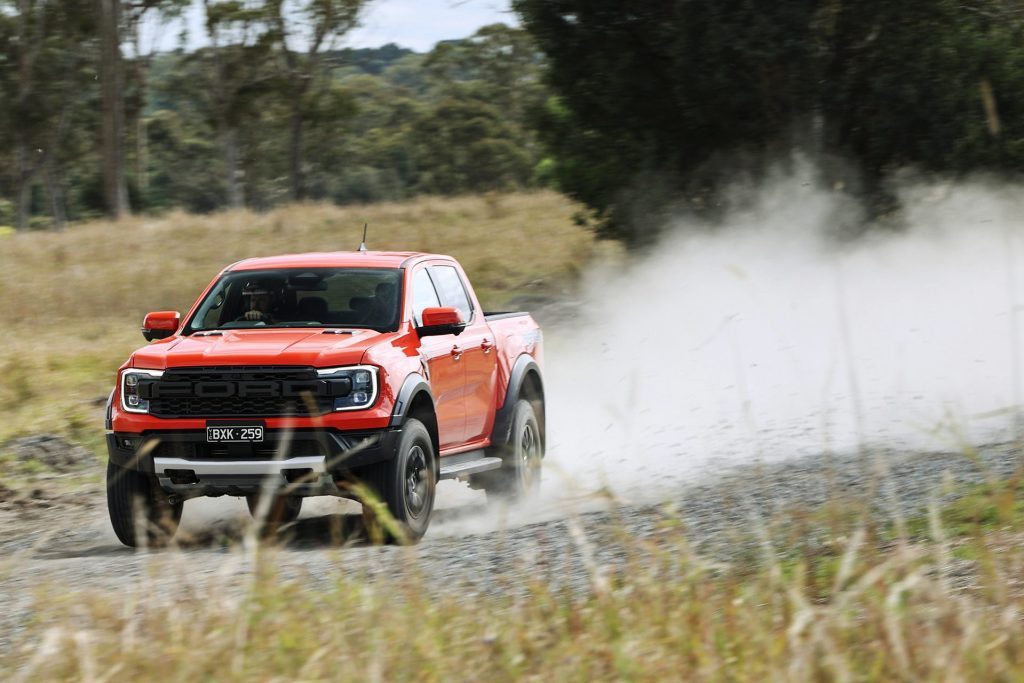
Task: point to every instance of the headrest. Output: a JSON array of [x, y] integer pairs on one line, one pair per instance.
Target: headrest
[[313, 308]]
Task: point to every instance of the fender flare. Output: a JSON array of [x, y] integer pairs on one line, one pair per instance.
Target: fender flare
[[108, 421], [413, 385], [524, 365]]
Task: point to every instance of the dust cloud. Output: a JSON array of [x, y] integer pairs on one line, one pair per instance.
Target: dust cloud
[[767, 338]]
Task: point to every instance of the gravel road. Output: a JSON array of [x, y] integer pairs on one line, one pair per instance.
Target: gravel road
[[470, 548]]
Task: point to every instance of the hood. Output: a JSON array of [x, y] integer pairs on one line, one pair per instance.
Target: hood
[[313, 347]]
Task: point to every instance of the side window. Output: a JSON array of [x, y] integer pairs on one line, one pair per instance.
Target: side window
[[453, 293], [423, 294]]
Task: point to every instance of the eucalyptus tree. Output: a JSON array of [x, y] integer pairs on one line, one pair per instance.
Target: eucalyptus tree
[[237, 67], [143, 23], [305, 31]]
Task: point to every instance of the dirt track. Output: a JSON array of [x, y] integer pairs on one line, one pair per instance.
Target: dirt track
[[471, 549]]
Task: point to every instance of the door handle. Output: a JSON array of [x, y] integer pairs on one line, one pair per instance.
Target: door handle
[[487, 345], [456, 352]]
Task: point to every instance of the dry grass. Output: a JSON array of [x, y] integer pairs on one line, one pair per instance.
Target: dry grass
[[866, 610], [71, 302], [509, 244]]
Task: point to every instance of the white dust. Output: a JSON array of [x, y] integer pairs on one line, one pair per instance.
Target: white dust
[[767, 338]]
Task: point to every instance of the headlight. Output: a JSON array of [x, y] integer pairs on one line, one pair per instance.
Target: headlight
[[130, 399], [363, 379]]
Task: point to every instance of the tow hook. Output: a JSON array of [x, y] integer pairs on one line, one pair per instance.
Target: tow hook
[[174, 499]]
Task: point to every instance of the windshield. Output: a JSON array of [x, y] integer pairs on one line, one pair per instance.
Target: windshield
[[302, 297]]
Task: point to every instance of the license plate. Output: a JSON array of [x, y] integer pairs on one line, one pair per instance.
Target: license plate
[[234, 434]]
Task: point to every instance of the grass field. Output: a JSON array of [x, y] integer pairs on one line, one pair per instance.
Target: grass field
[[71, 303]]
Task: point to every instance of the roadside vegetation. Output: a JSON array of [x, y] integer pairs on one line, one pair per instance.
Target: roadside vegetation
[[862, 603]]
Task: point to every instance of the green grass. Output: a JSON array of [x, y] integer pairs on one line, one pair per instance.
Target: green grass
[[991, 507]]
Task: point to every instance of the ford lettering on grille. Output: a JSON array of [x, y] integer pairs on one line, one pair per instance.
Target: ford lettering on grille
[[244, 389], [242, 392]]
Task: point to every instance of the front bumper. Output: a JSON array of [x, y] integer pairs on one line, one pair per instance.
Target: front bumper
[[307, 462]]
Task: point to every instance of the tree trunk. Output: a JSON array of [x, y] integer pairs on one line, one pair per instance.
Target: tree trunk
[[23, 187], [56, 193], [115, 186], [141, 140], [229, 141], [298, 180], [141, 154]]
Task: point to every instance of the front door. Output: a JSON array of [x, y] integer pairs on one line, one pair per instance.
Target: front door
[[442, 360]]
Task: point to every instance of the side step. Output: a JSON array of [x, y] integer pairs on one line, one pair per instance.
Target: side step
[[463, 464]]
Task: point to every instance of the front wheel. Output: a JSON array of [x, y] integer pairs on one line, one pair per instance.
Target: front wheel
[[140, 511], [405, 484], [520, 472]]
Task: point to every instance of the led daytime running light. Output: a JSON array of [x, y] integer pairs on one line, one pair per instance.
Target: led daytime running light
[[364, 386], [131, 402]]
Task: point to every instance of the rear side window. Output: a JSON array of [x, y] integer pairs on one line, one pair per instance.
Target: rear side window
[[423, 295], [451, 290]]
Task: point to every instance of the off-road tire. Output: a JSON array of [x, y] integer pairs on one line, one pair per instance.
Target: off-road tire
[[136, 503], [405, 484], [522, 456], [283, 509]]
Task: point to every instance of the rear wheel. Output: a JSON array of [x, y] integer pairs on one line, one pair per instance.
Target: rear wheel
[[520, 472], [405, 485], [282, 510], [140, 510]]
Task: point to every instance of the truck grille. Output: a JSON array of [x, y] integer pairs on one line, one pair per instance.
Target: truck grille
[[239, 406]]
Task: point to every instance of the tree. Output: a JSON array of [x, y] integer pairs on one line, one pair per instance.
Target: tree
[[43, 57], [135, 15], [904, 85], [236, 64], [661, 104], [115, 184], [317, 24], [649, 91], [466, 146]]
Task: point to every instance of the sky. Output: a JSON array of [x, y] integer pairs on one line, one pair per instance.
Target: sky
[[415, 24], [420, 24]]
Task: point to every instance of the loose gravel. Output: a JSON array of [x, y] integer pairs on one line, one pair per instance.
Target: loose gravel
[[471, 550]]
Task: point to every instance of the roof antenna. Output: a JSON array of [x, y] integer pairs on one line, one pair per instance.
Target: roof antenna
[[362, 245]]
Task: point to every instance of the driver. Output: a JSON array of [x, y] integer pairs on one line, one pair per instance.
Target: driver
[[259, 303]]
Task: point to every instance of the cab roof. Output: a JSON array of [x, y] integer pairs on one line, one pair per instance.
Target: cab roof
[[334, 259]]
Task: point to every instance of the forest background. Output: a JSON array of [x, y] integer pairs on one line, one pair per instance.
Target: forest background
[[639, 110]]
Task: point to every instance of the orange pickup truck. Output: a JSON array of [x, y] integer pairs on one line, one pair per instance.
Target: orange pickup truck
[[365, 375]]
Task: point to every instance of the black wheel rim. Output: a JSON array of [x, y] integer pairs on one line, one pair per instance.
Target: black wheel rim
[[416, 484], [529, 456]]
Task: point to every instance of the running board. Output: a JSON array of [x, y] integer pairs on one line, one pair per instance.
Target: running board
[[455, 466]]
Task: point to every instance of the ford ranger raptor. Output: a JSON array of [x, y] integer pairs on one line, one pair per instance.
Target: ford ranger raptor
[[364, 375]]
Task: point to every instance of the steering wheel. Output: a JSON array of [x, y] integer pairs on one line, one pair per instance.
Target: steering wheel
[[262, 318]]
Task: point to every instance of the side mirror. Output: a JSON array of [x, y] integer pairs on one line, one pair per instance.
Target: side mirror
[[160, 324], [438, 321]]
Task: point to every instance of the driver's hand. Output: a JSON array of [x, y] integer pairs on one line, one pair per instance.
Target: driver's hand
[[253, 315]]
